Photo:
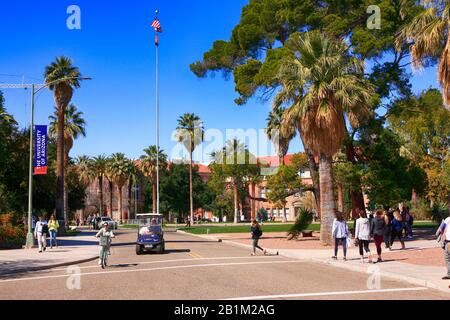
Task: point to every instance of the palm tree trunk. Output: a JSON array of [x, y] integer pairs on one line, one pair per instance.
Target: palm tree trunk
[[111, 190], [100, 184], [191, 197], [327, 202], [236, 202], [121, 214], [355, 193], [340, 197], [60, 214], [314, 174], [130, 185]]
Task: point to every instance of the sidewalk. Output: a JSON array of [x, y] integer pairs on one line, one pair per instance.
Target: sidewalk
[[71, 250], [422, 263]]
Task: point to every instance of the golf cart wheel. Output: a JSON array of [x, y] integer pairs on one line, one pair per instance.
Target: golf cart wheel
[[162, 248], [139, 250]]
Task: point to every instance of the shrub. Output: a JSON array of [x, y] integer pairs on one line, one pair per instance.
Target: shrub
[[11, 233], [303, 221], [438, 212]]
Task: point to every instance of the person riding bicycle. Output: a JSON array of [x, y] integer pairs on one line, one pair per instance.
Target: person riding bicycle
[[105, 236]]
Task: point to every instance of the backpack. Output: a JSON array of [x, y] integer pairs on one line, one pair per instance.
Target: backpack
[[45, 229], [398, 225]]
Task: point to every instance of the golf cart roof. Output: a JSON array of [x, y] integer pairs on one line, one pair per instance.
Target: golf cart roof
[[149, 215]]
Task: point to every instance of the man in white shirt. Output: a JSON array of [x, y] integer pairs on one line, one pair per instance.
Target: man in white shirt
[[40, 234], [445, 232]]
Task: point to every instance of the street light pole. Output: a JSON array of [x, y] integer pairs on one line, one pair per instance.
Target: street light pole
[[30, 237]]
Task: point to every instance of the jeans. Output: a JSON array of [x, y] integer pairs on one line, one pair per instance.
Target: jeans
[[344, 246], [387, 236], [53, 234]]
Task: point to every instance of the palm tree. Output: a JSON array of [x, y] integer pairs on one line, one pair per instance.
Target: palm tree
[[148, 167], [74, 127], [281, 139], [84, 170], [120, 168], [323, 84], [109, 174], [62, 78], [427, 36], [83, 167], [99, 168], [190, 132]]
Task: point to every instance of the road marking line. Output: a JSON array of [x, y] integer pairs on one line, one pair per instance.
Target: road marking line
[[173, 260], [333, 293], [154, 269]]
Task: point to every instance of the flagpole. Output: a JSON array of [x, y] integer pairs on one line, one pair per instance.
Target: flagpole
[[157, 120]]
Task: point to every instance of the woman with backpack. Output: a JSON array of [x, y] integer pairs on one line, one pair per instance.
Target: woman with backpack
[[397, 228], [256, 235]]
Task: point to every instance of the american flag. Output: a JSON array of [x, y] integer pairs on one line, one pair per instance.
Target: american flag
[[157, 25]]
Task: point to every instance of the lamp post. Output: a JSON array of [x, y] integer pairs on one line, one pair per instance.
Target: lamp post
[[30, 237]]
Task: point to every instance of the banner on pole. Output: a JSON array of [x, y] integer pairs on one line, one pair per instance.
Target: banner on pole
[[40, 150]]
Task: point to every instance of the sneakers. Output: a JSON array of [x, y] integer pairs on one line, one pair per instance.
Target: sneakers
[[446, 278], [379, 260], [253, 254], [45, 248], [334, 258], [40, 251], [99, 262], [265, 252]]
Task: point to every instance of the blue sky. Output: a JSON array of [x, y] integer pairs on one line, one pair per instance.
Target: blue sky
[[115, 47]]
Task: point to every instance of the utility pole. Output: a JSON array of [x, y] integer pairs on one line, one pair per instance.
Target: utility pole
[[30, 237], [35, 88]]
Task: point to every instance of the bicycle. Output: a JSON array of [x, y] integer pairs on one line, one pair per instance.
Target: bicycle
[[105, 243]]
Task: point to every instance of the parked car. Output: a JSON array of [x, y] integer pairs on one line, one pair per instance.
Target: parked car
[[112, 224]]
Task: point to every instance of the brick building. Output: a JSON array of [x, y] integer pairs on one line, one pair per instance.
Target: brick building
[[133, 198]]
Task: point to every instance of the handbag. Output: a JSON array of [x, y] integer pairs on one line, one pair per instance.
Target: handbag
[[350, 241]]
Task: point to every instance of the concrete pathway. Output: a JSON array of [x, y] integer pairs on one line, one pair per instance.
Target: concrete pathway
[[71, 250], [422, 263]]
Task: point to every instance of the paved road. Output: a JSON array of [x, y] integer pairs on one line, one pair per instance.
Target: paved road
[[198, 269]]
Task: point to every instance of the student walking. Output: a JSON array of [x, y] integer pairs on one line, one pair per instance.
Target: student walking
[[40, 233], [444, 233], [362, 235], [256, 235], [53, 226], [89, 221], [397, 229], [340, 234], [378, 231], [388, 229]]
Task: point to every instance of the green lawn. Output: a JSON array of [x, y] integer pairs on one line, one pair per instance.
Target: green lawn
[[274, 228], [129, 226]]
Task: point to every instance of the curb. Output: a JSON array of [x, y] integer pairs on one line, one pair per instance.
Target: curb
[[48, 267]]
